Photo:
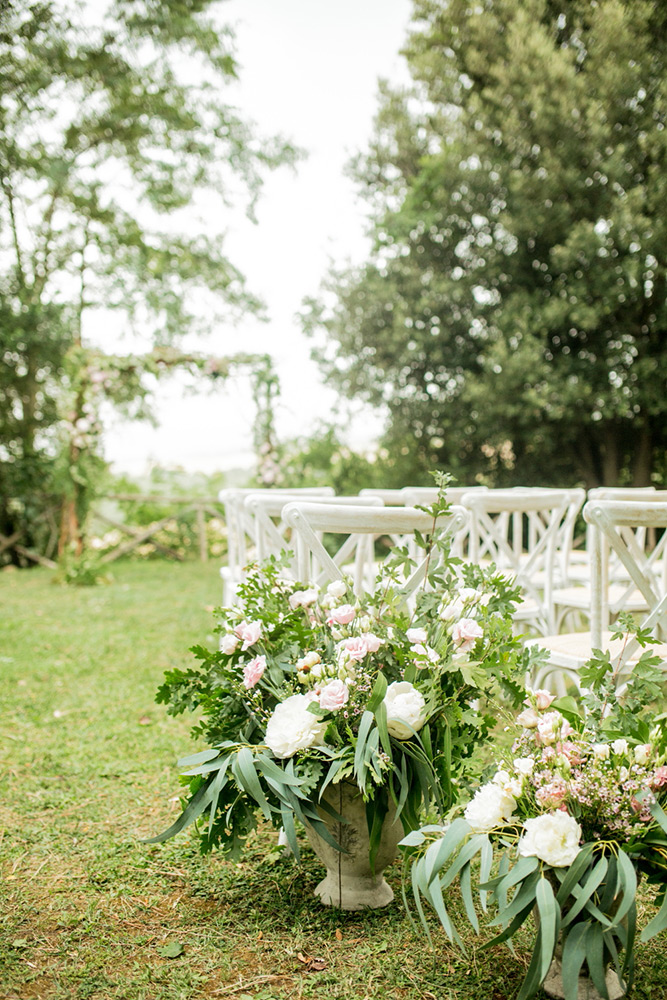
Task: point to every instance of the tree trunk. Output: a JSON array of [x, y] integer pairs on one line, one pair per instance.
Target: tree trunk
[[642, 465]]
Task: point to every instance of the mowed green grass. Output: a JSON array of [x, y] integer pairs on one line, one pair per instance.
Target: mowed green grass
[[87, 769]]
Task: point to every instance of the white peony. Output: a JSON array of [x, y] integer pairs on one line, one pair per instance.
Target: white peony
[[292, 727], [553, 838], [490, 808], [405, 709]]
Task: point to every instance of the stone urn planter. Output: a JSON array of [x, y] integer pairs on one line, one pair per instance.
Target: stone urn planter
[[553, 984], [350, 884]]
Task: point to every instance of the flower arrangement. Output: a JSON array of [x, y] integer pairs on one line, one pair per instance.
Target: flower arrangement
[[564, 827], [309, 688]]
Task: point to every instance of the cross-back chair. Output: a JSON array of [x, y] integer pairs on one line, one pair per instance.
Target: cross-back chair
[[360, 527], [240, 530], [635, 533], [520, 530]]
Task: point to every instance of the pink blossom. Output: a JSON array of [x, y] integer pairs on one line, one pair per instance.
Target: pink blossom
[[552, 794], [248, 632], [659, 777], [342, 615], [551, 726], [253, 671], [359, 646], [571, 751], [334, 695], [465, 633], [543, 699]]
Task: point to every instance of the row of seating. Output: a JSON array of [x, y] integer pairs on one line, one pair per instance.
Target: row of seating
[[528, 533]]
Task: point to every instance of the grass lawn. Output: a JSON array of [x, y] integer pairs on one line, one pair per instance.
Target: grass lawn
[[87, 769]]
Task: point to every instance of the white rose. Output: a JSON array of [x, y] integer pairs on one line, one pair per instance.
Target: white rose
[[337, 589], [490, 808], [405, 708], [553, 838], [601, 751], [528, 718], [303, 598], [620, 746], [642, 753], [292, 727], [524, 765], [452, 610], [416, 635], [229, 643]]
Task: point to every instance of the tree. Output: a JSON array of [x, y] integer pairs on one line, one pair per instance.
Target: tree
[[512, 315], [114, 138]]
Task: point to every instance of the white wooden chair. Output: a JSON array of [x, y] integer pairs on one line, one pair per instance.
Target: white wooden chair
[[361, 527], [519, 530], [615, 524], [240, 531], [574, 599], [266, 527]]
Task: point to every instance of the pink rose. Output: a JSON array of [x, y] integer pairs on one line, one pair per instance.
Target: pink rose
[[465, 633], [571, 751], [248, 632], [359, 646], [553, 726], [342, 615], [334, 695], [253, 671], [543, 699], [659, 777]]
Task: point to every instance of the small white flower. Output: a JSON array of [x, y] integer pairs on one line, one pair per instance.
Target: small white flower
[[642, 753], [620, 746], [229, 643], [524, 765], [601, 751], [528, 718], [416, 635], [338, 588], [303, 598]]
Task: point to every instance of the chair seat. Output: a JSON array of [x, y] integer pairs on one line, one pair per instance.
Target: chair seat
[[580, 597], [570, 649]]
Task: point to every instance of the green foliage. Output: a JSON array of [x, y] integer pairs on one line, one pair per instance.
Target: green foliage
[[512, 313], [112, 133]]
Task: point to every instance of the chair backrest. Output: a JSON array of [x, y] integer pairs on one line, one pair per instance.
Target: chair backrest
[[360, 526], [265, 524], [424, 495], [389, 497], [642, 536], [621, 526], [239, 526], [520, 530]]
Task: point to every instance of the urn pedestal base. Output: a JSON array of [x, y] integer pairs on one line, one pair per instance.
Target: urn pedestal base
[[349, 883], [553, 985]]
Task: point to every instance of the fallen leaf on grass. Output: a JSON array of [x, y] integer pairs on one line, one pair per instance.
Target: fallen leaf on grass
[[172, 950], [311, 964], [144, 720], [339, 934]]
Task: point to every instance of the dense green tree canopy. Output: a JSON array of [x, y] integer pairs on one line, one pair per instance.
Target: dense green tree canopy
[[512, 315], [119, 159]]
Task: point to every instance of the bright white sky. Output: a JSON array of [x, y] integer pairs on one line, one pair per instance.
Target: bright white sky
[[308, 70]]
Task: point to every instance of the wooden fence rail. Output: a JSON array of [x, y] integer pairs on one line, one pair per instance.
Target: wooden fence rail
[[203, 508]]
